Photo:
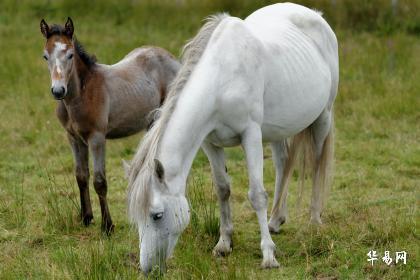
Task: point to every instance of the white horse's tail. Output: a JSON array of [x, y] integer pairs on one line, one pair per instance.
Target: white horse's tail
[[302, 147], [325, 165]]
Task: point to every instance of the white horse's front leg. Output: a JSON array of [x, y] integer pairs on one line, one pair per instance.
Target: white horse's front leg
[[221, 180], [252, 144]]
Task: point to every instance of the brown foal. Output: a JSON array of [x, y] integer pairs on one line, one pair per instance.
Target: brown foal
[[96, 102]]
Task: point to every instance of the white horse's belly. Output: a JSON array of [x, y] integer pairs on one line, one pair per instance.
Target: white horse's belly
[[293, 103]]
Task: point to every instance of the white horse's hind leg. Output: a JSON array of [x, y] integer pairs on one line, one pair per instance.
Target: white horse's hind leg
[[278, 212], [320, 129], [221, 180], [252, 144]]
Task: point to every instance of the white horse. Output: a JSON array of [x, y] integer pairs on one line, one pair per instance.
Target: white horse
[[269, 77]]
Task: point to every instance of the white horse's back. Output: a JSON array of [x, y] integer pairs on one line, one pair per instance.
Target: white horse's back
[[276, 19]]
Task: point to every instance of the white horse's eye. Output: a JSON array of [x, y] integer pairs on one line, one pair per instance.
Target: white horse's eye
[[157, 216], [45, 57]]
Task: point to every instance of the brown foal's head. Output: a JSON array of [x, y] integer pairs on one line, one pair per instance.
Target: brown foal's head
[[59, 53]]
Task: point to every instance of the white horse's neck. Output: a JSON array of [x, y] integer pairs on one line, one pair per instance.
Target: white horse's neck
[[187, 128]]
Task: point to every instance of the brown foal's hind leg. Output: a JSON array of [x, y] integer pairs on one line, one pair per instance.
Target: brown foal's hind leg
[[97, 148], [81, 162]]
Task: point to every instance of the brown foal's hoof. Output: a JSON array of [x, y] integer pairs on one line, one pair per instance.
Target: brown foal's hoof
[[108, 228], [87, 219]]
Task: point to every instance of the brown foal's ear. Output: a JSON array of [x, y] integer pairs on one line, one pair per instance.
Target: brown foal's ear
[[159, 171], [69, 27], [44, 28]]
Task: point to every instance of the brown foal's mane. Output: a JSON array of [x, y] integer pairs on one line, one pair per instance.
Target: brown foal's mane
[[88, 59]]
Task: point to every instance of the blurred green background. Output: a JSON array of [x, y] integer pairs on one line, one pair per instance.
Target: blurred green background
[[373, 201]]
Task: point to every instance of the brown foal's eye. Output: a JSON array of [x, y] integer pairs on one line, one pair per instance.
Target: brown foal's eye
[[70, 56]]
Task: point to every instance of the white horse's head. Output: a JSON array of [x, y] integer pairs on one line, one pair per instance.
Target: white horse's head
[[165, 218]]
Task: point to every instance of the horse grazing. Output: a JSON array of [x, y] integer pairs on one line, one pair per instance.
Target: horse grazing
[[267, 78], [98, 102]]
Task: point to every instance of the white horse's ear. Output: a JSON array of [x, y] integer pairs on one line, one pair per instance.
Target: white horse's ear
[[159, 171], [127, 166]]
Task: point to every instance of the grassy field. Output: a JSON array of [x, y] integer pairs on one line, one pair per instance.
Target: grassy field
[[373, 202]]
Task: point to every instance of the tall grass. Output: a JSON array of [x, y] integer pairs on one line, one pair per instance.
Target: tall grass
[[96, 261], [62, 210], [202, 208]]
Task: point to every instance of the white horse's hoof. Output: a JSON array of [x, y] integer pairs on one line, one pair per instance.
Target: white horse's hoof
[[270, 263], [316, 221], [274, 225], [274, 228], [222, 249]]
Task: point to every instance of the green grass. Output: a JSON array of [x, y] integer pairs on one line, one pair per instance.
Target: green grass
[[373, 201]]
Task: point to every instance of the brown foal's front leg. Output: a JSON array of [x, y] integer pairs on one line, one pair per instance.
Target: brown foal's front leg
[[97, 148], [81, 163]]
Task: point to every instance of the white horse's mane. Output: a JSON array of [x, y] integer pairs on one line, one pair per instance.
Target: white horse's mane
[[143, 164]]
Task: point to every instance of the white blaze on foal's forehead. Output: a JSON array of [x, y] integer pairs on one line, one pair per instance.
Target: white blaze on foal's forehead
[[58, 65], [60, 46]]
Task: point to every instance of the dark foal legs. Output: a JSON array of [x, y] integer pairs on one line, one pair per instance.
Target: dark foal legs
[[97, 148], [81, 162]]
